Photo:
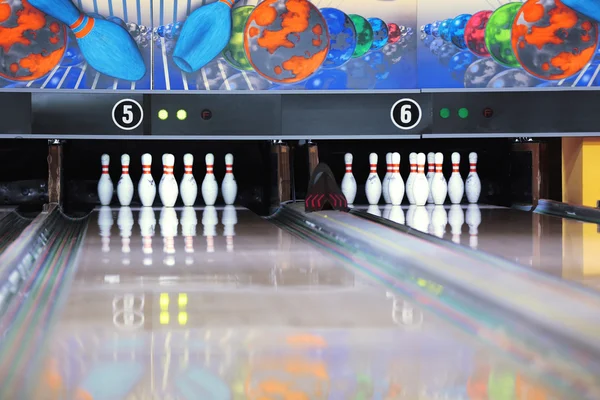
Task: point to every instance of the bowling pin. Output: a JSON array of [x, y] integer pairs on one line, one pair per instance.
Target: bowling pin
[[125, 223], [412, 159], [105, 185], [421, 215], [386, 211], [210, 220], [456, 186], [373, 185], [168, 190], [430, 173], [189, 220], [125, 184], [229, 185], [188, 187], [456, 218], [396, 215], [385, 185], [374, 210], [420, 184], [348, 182], [410, 213], [168, 230], [396, 184], [473, 219], [473, 185], [106, 46], [439, 187], [105, 223], [204, 35], [439, 220], [146, 185], [229, 220], [210, 188]]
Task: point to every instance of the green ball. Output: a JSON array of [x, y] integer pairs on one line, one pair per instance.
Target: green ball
[[364, 35], [234, 52], [498, 35]]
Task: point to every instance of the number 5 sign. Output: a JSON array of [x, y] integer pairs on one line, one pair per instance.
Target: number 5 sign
[[406, 114], [127, 114]]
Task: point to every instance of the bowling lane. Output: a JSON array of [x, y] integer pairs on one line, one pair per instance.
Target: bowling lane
[[236, 308], [560, 247], [12, 223]]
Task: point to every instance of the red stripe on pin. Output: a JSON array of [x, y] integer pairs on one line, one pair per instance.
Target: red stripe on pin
[[76, 24]]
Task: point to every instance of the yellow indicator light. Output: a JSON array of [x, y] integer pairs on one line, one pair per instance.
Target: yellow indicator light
[[164, 301], [182, 318], [164, 318], [181, 115], [163, 114], [183, 300]]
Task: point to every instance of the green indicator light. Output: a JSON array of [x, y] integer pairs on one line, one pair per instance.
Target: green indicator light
[[444, 113], [163, 114], [181, 115], [463, 113]]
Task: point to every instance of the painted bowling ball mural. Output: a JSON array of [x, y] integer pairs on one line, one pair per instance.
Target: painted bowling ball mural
[[364, 33], [380, 33], [342, 37], [31, 42], [234, 52], [457, 30], [475, 33], [552, 41], [394, 32], [286, 41], [498, 35], [445, 29]]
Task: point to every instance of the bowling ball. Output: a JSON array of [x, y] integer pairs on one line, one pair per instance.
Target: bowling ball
[[481, 72], [498, 34], [475, 33], [552, 41], [457, 30], [342, 37], [435, 46], [380, 33], [435, 29], [512, 78], [234, 52], [393, 52], [379, 64], [31, 42], [446, 52], [394, 32], [364, 35], [427, 29], [286, 41], [445, 29], [332, 79], [459, 63]]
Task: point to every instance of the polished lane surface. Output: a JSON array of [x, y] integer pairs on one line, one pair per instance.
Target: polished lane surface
[[242, 310], [560, 247]]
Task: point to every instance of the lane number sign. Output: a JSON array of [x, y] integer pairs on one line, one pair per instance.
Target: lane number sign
[[127, 114], [406, 114]]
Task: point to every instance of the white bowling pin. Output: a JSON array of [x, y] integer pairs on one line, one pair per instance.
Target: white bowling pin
[[189, 220], [374, 210], [456, 186], [146, 185], [473, 185], [430, 173], [373, 185], [396, 215], [421, 215], [396, 184], [410, 213], [125, 223], [105, 185], [412, 159], [229, 220], [210, 188], [348, 182], [105, 223], [168, 189], [168, 229], [147, 222], [125, 184], [439, 220], [439, 187], [456, 218], [473, 219], [210, 220], [188, 187], [385, 184], [386, 211], [229, 185], [420, 185]]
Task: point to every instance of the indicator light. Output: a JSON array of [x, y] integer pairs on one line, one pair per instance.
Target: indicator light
[[163, 114], [445, 113], [488, 112], [182, 318], [182, 300], [164, 301], [181, 115], [463, 113], [164, 318]]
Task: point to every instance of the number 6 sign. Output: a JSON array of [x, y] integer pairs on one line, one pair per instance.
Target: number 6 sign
[[127, 114], [406, 114]]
